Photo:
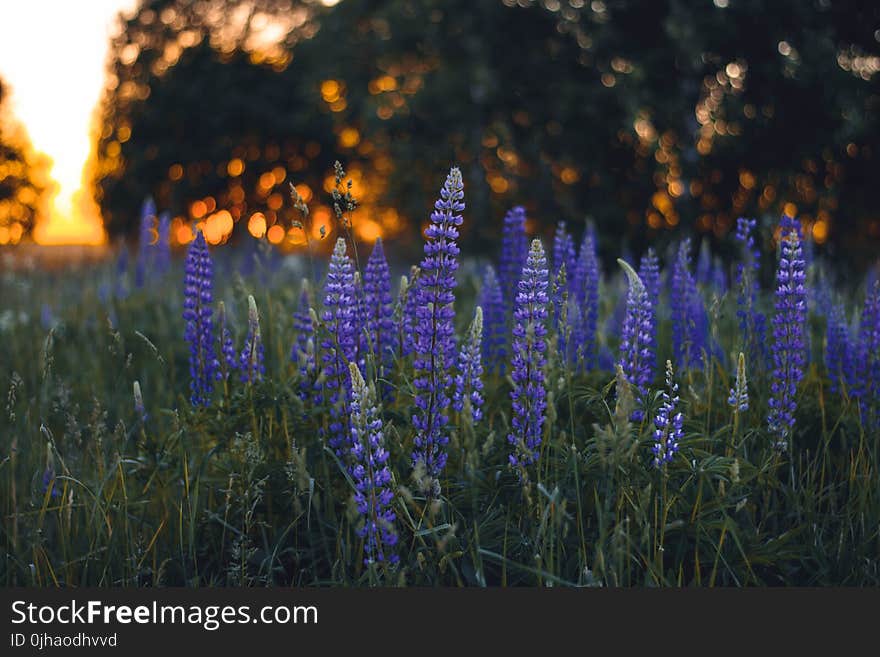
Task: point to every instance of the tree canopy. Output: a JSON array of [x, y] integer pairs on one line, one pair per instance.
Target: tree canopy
[[639, 116]]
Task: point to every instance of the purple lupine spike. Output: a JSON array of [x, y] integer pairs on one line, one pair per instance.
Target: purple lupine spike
[[823, 297], [637, 336], [47, 317], [251, 361], [586, 297], [752, 323], [372, 478], [494, 323], [649, 273], [339, 348], [302, 326], [837, 348], [529, 394], [197, 312], [563, 251], [163, 244], [789, 332], [379, 307], [562, 319], [468, 394], [738, 399], [668, 422], [690, 322], [704, 264], [514, 251], [146, 242], [362, 338], [434, 333], [718, 277], [409, 302], [853, 374], [228, 360], [607, 359], [50, 484], [303, 351], [867, 366], [562, 275]]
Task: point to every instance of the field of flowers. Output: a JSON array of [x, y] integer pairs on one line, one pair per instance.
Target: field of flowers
[[534, 418]]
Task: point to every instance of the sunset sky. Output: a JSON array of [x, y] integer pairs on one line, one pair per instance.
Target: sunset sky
[[52, 55]]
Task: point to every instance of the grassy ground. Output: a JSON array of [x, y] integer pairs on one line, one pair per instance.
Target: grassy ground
[[246, 493]]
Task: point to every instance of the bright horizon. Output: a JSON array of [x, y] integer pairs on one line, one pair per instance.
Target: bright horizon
[[52, 55]]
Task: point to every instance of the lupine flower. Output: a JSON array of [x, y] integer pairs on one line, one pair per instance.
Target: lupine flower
[[529, 359], [339, 348], [586, 297], [649, 274], [494, 323], [360, 322], [607, 359], [372, 478], [303, 351], [872, 327], [434, 333], [668, 422], [837, 348], [228, 361], [868, 353], [752, 324], [690, 323], [854, 373], [789, 328], [146, 241], [469, 378], [559, 295], [199, 332], [563, 251], [408, 301], [49, 484], [514, 251], [739, 393], [704, 264], [822, 299], [163, 244], [379, 307], [139, 409], [637, 335], [250, 362], [47, 317]]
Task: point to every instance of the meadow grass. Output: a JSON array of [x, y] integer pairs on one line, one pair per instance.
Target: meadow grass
[[246, 491]]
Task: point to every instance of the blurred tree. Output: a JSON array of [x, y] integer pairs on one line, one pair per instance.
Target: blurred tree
[[642, 116], [23, 178], [195, 114]]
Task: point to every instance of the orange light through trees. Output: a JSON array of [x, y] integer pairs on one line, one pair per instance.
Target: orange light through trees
[[55, 68]]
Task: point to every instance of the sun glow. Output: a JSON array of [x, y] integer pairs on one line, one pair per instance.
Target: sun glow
[[52, 54]]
